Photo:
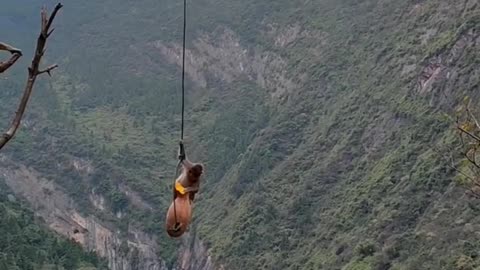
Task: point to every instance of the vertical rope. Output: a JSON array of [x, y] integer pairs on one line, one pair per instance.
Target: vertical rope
[[182, 151], [177, 227], [183, 64]]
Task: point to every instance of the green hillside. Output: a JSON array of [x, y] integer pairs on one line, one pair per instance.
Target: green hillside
[[316, 121], [25, 245]]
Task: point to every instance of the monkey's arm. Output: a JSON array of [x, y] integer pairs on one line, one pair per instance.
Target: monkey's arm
[[191, 189], [180, 189]]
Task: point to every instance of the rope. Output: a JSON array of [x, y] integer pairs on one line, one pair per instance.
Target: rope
[[177, 225], [183, 64], [181, 151]]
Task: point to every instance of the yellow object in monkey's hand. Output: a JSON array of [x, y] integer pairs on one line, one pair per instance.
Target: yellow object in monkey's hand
[[180, 188]]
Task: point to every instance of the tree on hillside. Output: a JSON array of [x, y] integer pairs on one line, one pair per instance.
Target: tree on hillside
[[465, 156], [33, 71]]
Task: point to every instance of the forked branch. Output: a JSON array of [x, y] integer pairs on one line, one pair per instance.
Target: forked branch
[[16, 54], [33, 71]]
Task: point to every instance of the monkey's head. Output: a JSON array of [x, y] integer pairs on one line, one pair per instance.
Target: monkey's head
[[195, 172]]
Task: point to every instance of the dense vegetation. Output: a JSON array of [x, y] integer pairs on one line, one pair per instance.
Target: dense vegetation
[[337, 173], [24, 245]]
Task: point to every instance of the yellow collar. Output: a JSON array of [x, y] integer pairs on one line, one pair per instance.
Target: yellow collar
[[180, 188]]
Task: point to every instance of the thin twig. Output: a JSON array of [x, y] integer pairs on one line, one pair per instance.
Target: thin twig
[[47, 70], [473, 193], [472, 161], [469, 133], [472, 116], [451, 163]]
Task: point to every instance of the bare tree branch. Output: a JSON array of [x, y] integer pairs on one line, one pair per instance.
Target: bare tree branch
[[472, 116], [450, 162], [465, 160], [472, 160], [469, 133], [48, 70], [16, 54], [473, 193], [33, 72], [454, 167]]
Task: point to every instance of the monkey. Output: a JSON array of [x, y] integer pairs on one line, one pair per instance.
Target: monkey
[[186, 186]]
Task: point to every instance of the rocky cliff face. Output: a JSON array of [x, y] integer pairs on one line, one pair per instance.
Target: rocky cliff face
[[136, 250], [222, 55], [194, 255]]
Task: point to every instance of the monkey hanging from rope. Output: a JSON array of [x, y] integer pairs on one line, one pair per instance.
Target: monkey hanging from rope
[[179, 215], [187, 184]]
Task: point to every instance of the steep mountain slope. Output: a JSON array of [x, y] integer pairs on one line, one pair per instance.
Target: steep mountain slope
[[25, 245], [316, 120]]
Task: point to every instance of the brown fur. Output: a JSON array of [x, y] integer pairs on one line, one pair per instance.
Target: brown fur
[[190, 180], [184, 216]]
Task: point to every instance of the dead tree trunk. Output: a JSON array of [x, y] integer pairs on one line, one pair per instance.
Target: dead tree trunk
[[33, 71]]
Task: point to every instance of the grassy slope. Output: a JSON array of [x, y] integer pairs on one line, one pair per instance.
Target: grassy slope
[[341, 174]]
